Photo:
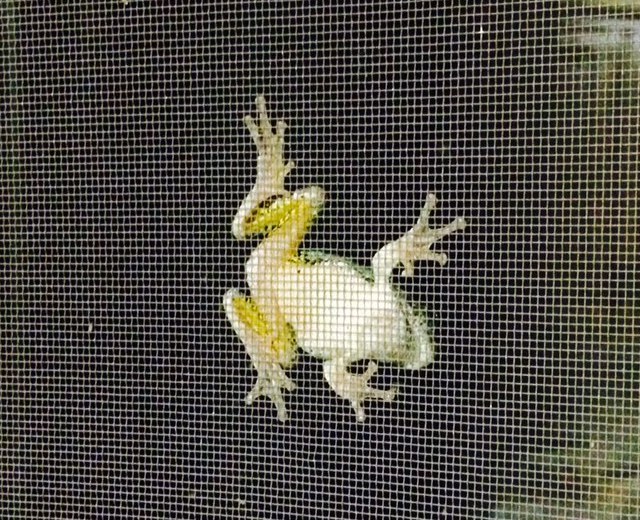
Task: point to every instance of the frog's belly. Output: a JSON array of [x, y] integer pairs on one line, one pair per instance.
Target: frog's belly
[[336, 313]]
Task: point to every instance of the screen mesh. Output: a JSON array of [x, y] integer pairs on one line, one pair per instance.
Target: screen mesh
[[125, 160]]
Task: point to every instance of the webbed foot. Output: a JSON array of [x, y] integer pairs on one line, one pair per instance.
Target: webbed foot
[[271, 379], [354, 387], [414, 245], [271, 168], [270, 147]]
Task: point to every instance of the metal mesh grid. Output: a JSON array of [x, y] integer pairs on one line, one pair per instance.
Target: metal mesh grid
[[125, 160]]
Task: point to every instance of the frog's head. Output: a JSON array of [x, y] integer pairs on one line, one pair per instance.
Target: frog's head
[[263, 217], [260, 215]]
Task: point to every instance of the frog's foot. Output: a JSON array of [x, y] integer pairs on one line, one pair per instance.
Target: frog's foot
[[354, 387], [269, 352], [271, 166], [271, 169], [271, 378], [414, 245]]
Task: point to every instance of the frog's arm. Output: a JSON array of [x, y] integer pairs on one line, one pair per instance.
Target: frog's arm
[[283, 218], [414, 245]]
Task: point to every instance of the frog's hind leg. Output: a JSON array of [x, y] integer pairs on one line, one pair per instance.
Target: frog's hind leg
[[414, 245], [270, 350], [354, 387]]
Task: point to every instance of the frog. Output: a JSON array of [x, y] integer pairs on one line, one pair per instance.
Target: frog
[[332, 309]]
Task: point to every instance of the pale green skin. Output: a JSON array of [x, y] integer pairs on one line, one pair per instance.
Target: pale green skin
[[338, 312]]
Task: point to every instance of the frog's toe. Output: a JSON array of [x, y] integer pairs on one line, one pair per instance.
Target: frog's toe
[[382, 395], [366, 392], [273, 393], [270, 386], [355, 388]]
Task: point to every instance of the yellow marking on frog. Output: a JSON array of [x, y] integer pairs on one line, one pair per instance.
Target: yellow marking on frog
[[283, 345], [288, 211]]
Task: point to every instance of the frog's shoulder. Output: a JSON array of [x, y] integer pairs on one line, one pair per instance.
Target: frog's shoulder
[[315, 257]]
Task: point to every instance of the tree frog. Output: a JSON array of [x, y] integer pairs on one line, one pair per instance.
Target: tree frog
[[325, 305]]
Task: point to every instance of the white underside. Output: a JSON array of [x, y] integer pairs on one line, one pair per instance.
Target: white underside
[[336, 313]]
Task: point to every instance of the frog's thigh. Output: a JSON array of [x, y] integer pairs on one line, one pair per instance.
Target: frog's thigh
[[263, 342], [244, 316]]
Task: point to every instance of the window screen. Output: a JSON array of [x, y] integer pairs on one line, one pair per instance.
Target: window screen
[[125, 161]]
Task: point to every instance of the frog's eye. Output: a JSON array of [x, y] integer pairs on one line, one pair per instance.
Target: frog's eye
[[267, 203], [268, 214]]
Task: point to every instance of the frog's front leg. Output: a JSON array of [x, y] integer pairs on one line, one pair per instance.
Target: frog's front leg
[[354, 387], [271, 170], [414, 245]]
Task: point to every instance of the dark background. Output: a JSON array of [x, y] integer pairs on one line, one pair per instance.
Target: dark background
[[123, 383]]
